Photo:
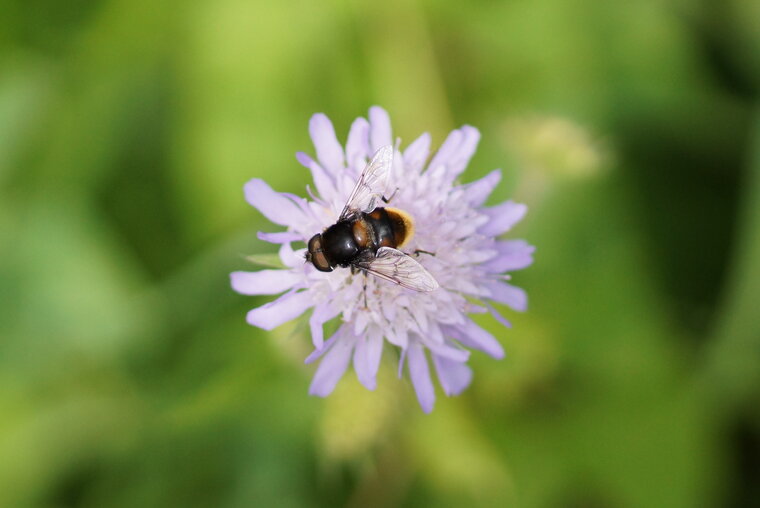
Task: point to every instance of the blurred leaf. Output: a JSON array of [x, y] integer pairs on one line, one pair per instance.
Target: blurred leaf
[[731, 373], [266, 260], [129, 374]]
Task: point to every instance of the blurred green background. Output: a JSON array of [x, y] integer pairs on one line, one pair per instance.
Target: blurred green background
[[128, 376]]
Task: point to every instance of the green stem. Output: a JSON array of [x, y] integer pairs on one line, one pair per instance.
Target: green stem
[[731, 372]]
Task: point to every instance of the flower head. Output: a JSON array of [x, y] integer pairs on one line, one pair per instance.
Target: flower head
[[455, 241]]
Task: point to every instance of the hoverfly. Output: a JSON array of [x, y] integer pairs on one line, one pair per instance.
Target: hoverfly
[[367, 237]]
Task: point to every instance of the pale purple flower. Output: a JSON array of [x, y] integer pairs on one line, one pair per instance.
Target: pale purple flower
[[451, 222]]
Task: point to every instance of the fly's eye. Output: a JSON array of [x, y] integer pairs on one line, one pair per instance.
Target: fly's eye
[[315, 243], [320, 262], [316, 256]]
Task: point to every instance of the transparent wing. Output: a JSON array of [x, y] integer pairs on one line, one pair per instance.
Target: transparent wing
[[371, 185], [395, 266]]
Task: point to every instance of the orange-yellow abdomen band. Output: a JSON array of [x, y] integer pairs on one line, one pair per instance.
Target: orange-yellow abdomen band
[[403, 226]]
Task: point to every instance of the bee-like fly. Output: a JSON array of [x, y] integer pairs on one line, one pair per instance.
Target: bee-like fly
[[367, 237]]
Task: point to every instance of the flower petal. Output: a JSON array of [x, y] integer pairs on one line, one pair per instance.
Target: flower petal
[[454, 376], [464, 152], [508, 294], [397, 335], [446, 150], [323, 181], [513, 255], [304, 159], [502, 217], [496, 314], [379, 128], [329, 151], [417, 153], [420, 317], [318, 352], [273, 314], [420, 375], [471, 335], [274, 206], [477, 192], [369, 349], [323, 312], [457, 151], [292, 258], [279, 237], [466, 229], [456, 354], [357, 146], [332, 367], [263, 282]]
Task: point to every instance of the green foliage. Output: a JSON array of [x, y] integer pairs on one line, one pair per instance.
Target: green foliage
[[129, 376]]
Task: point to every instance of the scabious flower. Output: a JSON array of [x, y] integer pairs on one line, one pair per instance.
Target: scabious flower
[[452, 225]]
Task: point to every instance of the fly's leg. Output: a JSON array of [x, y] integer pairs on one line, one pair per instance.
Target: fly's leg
[[364, 291], [388, 200], [354, 271], [420, 251]]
